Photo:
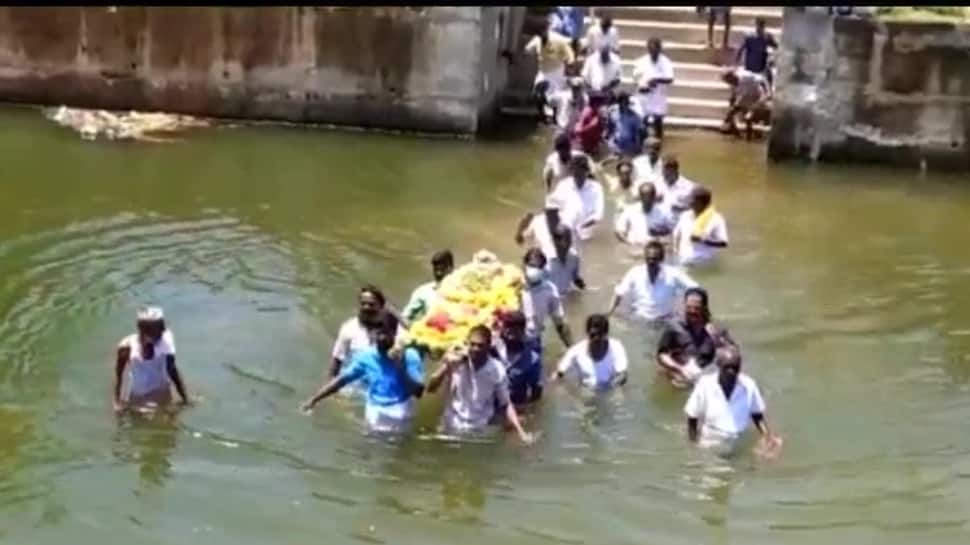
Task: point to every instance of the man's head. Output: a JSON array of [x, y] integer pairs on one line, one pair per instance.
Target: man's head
[[728, 360], [150, 322], [700, 199], [654, 47], [513, 328], [654, 254], [606, 23], [597, 329], [370, 302], [385, 332], [759, 26], [562, 146], [579, 168], [562, 238], [442, 263], [624, 173], [479, 343], [623, 101], [648, 196], [696, 309], [576, 87], [652, 146], [671, 169]]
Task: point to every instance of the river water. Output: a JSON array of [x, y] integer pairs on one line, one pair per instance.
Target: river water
[[846, 287]]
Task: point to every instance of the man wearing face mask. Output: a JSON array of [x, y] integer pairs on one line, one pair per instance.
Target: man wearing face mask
[[722, 406], [148, 356], [582, 199], [541, 300], [393, 382], [423, 298], [651, 289], [645, 220], [357, 333]]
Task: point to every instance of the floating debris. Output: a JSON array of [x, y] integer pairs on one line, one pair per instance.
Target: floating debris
[[92, 124]]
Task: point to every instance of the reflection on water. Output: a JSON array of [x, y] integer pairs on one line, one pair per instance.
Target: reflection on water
[[845, 287]]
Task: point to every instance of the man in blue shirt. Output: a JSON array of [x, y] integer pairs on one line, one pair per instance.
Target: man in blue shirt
[[394, 380], [625, 128], [523, 366], [755, 50], [568, 21]]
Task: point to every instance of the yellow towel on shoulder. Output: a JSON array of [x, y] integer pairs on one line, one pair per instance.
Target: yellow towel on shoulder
[[703, 221]]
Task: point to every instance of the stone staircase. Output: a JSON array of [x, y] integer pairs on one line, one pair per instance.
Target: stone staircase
[[698, 98]]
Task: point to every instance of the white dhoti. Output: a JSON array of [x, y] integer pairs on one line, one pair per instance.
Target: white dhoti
[[556, 78], [389, 418]]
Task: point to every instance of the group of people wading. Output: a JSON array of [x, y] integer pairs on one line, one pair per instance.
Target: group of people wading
[[658, 213]]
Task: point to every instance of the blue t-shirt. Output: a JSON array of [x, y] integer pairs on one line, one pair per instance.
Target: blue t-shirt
[[524, 374], [756, 52], [627, 131], [568, 21], [385, 386]]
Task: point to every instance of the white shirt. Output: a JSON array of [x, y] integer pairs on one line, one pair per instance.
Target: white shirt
[[595, 38], [538, 233], [698, 253], [654, 102], [637, 224], [599, 75], [581, 205], [556, 167], [568, 109], [656, 300], [353, 337], [677, 195], [643, 171], [146, 376], [594, 374], [562, 273], [719, 417], [538, 303], [474, 394]]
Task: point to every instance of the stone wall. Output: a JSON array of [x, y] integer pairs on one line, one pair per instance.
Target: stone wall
[[425, 68], [864, 90]]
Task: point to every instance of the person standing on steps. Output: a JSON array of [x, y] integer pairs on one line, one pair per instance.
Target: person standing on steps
[[569, 21], [653, 74], [148, 359], [603, 71], [754, 51], [600, 34], [712, 14], [569, 105], [553, 53]]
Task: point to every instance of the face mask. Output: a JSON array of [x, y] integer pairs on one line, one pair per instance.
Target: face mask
[[534, 275]]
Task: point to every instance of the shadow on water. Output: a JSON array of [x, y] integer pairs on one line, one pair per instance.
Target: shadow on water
[[147, 440]]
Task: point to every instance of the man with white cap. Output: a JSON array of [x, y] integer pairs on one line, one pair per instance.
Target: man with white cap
[[148, 356]]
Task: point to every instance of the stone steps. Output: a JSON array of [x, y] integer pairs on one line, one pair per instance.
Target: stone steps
[[743, 16], [690, 33]]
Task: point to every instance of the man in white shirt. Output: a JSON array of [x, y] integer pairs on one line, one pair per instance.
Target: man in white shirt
[[357, 333], [645, 220], [653, 74], [476, 388], [599, 360], [582, 199], [652, 289], [603, 71], [722, 406], [535, 230], [676, 191], [647, 167], [556, 166], [701, 232], [569, 105], [602, 34], [563, 265], [553, 52]]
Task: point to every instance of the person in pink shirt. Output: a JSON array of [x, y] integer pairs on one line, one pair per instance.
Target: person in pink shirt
[[588, 131]]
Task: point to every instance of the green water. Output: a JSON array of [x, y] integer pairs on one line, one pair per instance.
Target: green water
[[847, 288]]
